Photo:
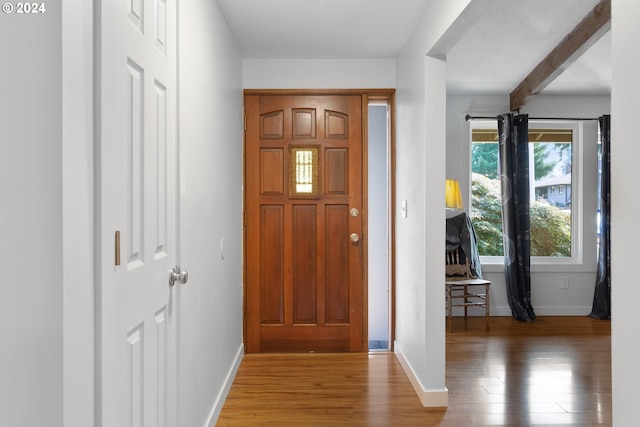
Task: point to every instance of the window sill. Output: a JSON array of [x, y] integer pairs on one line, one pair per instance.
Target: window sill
[[542, 267]]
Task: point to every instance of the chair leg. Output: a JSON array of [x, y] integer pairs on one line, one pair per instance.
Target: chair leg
[[487, 307], [466, 301], [449, 309]]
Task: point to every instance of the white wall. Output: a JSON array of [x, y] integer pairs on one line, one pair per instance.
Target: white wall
[[547, 297], [31, 217], [420, 162], [625, 174], [319, 73], [77, 203], [211, 123]]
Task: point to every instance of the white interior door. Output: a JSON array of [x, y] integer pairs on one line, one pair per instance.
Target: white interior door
[[137, 308]]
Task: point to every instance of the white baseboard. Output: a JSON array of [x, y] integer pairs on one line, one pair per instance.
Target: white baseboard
[[428, 398], [224, 391]]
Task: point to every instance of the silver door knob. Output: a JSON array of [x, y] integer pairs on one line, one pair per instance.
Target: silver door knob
[[354, 237], [176, 275]]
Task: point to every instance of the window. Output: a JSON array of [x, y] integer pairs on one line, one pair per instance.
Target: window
[[303, 172], [554, 179]]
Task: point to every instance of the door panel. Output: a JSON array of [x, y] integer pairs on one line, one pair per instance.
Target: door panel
[[303, 265], [137, 85], [337, 277], [303, 175], [272, 260]]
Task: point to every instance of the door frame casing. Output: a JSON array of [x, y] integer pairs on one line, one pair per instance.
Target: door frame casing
[[387, 95]]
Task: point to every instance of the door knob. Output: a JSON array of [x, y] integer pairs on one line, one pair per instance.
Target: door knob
[[176, 275], [354, 237]]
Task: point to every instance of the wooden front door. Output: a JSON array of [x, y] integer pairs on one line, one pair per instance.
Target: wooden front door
[[304, 223]]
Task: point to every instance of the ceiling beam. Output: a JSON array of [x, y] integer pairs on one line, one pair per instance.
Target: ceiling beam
[[596, 24]]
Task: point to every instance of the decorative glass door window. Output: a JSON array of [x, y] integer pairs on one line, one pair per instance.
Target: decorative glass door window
[[303, 172]]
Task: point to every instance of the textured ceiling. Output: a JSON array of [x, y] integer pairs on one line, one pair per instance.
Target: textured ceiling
[[497, 51]]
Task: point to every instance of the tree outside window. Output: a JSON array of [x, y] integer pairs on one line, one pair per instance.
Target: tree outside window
[[550, 209]]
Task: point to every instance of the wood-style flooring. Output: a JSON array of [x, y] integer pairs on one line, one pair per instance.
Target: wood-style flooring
[[555, 371]]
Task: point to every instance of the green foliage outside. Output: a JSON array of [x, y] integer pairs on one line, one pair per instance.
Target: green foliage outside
[[484, 159], [540, 155], [486, 214], [550, 226], [550, 231]]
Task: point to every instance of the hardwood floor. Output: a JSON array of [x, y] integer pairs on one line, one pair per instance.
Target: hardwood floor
[[555, 371]]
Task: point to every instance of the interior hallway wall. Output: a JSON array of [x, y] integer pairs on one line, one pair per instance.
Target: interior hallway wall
[[211, 141], [78, 218], [319, 73], [420, 174], [31, 218], [625, 173]]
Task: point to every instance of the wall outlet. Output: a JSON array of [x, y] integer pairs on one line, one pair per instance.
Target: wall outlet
[[564, 282]]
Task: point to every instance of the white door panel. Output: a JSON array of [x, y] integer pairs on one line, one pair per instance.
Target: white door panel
[[138, 198]]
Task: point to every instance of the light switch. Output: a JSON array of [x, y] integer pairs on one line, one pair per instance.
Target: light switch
[[403, 208]]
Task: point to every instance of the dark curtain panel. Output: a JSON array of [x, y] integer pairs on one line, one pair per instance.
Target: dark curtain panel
[[516, 231], [602, 296]]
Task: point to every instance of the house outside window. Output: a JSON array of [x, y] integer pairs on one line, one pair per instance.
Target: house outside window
[[555, 212]]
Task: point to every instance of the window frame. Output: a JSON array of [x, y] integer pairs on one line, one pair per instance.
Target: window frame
[[577, 201]]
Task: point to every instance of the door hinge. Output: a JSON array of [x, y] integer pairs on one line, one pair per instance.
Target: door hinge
[[245, 218], [245, 123]]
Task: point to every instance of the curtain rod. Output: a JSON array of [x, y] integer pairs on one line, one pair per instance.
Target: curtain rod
[[468, 117]]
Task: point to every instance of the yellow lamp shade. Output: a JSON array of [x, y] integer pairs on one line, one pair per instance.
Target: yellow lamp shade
[[453, 198]]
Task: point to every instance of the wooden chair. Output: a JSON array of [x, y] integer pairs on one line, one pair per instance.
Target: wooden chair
[[462, 288]]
